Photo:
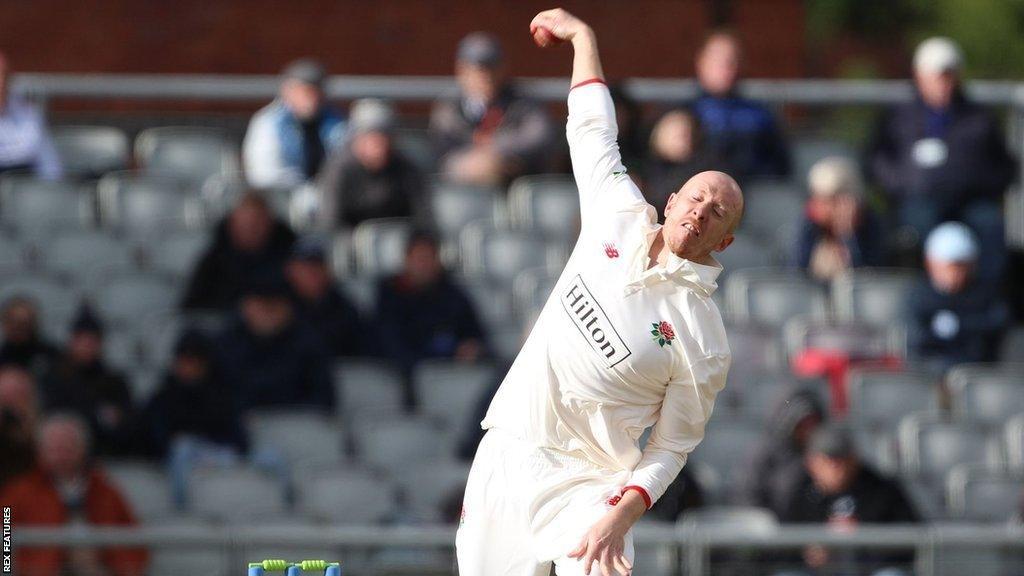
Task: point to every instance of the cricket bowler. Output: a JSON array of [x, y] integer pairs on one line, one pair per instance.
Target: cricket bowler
[[628, 339]]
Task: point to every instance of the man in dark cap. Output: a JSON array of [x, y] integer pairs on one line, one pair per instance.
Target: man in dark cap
[[270, 358], [320, 304], [488, 134], [288, 139], [23, 345], [838, 489], [82, 383]]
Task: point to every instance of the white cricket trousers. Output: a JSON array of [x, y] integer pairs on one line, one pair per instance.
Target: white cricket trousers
[[526, 507]]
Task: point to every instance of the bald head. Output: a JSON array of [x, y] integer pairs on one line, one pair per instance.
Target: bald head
[[700, 218], [63, 445]]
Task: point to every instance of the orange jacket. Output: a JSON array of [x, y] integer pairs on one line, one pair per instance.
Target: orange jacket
[[34, 501]]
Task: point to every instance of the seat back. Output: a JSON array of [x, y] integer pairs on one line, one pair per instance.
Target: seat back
[[189, 153], [234, 494], [34, 207], [89, 151]]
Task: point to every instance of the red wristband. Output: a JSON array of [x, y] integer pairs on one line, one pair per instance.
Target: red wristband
[[643, 494], [585, 82]]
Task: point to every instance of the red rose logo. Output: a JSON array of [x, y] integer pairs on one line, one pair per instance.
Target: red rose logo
[[666, 330], [662, 333]]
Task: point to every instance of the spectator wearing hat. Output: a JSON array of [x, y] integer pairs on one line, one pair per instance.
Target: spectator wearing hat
[[19, 414], [839, 231], [82, 383], [676, 154], [268, 357], [941, 157], [288, 140], [192, 419], [25, 143], [740, 131], [489, 133], [422, 313], [367, 177], [320, 304], [838, 489], [249, 242], [23, 345], [955, 316], [67, 488]]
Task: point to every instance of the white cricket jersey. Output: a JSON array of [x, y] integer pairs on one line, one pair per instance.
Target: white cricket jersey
[[617, 348]]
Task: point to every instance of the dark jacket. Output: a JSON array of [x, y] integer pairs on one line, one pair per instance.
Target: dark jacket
[[956, 328], [745, 134], [17, 446], [37, 356], [517, 127], [352, 193], [223, 271], [866, 246], [978, 164], [338, 323], [291, 368], [415, 324], [100, 396], [205, 409]]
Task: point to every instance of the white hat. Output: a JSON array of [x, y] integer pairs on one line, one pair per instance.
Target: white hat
[[371, 115], [937, 55], [834, 175], [951, 242]]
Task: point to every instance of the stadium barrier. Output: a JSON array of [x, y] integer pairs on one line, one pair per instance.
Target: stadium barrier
[[684, 548]]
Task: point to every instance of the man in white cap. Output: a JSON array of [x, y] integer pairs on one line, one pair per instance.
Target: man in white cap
[[954, 316], [940, 157]]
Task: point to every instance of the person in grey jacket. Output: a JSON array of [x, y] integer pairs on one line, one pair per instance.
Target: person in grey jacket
[[489, 133]]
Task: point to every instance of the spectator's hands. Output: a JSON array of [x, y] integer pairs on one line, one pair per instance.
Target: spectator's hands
[[561, 23], [847, 211], [477, 165], [468, 350], [815, 556]]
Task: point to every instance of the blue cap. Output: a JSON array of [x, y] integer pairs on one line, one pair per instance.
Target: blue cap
[[951, 242]]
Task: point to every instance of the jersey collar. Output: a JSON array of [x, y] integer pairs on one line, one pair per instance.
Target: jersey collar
[[702, 278]]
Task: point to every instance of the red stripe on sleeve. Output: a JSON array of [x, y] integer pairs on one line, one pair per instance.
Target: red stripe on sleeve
[[643, 494], [585, 82]]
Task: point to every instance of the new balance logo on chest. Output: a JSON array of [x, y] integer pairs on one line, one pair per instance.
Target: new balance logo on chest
[[610, 250], [588, 316]]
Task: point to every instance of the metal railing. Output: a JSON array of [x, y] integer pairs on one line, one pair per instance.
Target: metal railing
[[683, 548]]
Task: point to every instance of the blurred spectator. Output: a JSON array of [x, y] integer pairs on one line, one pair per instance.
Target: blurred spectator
[[81, 383], [839, 230], [24, 139], [941, 157], [739, 130], [19, 411], [684, 493], [319, 302], [489, 133], [23, 345], [779, 460], [837, 489], [676, 154], [629, 117], [193, 418], [368, 177], [288, 140], [268, 357], [249, 242], [422, 314], [68, 489], [955, 317]]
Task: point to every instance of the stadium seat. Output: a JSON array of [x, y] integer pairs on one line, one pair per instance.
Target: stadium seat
[[507, 341], [531, 290], [299, 436], [1015, 219], [121, 349], [745, 519], [877, 447], [856, 340], [1012, 348], [417, 146], [362, 385], [498, 255], [144, 380], [493, 303], [212, 560], [344, 495], [1014, 432], [873, 296], [12, 254], [548, 204], [234, 494], [147, 205], [380, 244], [33, 207], [90, 151], [397, 442], [57, 301], [771, 296], [451, 390], [978, 494], [808, 151], [362, 291], [756, 396], [429, 487], [930, 446], [84, 255], [176, 254], [158, 331], [191, 153], [145, 486], [727, 448], [881, 398], [754, 348], [123, 300], [987, 394], [454, 206], [746, 251], [773, 210]]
